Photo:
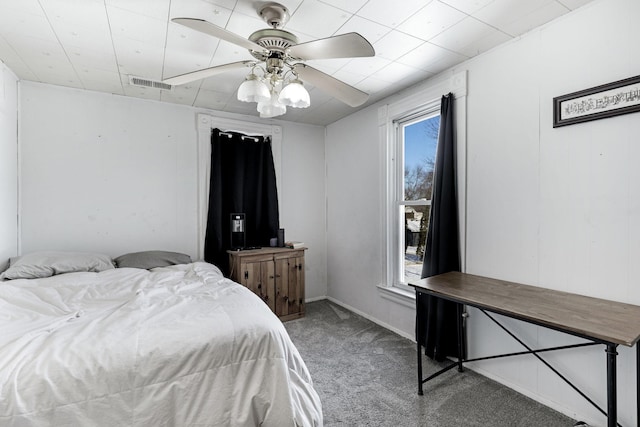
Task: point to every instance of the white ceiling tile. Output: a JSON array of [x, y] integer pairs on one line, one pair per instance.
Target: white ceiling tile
[[9, 55], [306, 19], [372, 31], [328, 112], [187, 50], [389, 89], [244, 25], [92, 58], [213, 13], [396, 72], [94, 77], [28, 6], [178, 62], [36, 50], [500, 13], [574, 4], [366, 66], [62, 81], [19, 23], [329, 66], [86, 38], [138, 27], [536, 18], [103, 86], [391, 13], [152, 8], [226, 83], [467, 6], [229, 52], [372, 85], [431, 58], [395, 44], [431, 20], [71, 14], [349, 5], [22, 71], [470, 37], [229, 4], [139, 59], [318, 97], [349, 77]]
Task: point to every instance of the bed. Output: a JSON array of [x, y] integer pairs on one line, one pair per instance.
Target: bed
[[176, 345]]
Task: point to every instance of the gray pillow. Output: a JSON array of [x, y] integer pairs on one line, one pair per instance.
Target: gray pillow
[[151, 259], [50, 263]]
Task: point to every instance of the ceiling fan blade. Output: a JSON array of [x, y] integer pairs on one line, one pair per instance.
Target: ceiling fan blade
[[350, 45], [336, 88], [207, 72], [219, 32]]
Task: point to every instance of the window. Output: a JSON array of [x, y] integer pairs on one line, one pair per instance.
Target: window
[[415, 141], [398, 123], [205, 123]]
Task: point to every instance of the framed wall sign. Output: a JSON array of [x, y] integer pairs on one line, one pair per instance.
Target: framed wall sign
[[611, 99]]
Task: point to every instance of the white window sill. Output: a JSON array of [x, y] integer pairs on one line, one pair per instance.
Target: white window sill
[[397, 295]]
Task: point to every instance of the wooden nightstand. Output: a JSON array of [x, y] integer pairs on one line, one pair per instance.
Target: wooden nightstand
[[275, 274]]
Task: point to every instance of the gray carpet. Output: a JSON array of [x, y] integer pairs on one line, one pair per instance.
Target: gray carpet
[[366, 376]]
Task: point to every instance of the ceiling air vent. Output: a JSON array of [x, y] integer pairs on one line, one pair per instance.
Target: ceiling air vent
[[138, 81]]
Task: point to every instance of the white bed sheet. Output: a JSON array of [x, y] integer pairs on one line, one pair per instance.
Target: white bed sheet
[[175, 346]]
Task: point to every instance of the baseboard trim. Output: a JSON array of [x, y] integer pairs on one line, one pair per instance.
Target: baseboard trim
[[372, 319]]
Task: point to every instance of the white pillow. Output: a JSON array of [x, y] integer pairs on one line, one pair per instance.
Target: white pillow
[[45, 264]]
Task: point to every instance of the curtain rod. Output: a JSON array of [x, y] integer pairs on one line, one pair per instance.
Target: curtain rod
[[255, 138]]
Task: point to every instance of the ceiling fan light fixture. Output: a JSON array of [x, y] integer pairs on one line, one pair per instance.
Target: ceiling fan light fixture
[[279, 55], [271, 108], [253, 90], [294, 95]]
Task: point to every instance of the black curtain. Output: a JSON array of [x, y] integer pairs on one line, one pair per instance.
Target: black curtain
[[242, 180], [438, 326]]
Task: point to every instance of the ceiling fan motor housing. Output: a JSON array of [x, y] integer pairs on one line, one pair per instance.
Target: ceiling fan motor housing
[[274, 40], [274, 14]]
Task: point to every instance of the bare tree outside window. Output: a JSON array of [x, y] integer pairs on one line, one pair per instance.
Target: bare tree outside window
[[419, 148]]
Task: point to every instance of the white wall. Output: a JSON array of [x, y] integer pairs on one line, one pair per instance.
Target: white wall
[[302, 198], [8, 165], [113, 174], [557, 208]]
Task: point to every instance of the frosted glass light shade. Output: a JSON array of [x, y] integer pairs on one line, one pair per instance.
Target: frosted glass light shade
[[271, 108], [294, 95], [253, 90]]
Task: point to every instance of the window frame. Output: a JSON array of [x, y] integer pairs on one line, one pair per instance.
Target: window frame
[[414, 101], [398, 202]]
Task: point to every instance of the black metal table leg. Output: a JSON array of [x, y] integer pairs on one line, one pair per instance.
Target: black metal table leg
[[612, 405], [460, 337], [420, 392], [637, 383], [419, 342]]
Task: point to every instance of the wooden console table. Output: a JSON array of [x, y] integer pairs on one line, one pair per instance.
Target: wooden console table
[[601, 322]]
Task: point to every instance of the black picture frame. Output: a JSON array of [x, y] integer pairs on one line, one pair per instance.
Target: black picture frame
[[608, 100]]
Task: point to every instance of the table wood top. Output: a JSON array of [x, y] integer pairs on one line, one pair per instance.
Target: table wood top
[[598, 319]]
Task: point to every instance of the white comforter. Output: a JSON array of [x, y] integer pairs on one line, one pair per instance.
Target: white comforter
[[176, 346]]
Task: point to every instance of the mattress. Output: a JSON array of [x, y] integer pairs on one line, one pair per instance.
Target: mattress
[[173, 346]]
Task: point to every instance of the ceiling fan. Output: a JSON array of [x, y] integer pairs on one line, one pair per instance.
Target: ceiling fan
[[277, 73]]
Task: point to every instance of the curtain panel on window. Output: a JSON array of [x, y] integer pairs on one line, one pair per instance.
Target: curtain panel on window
[[438, 327], [242, 180]]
